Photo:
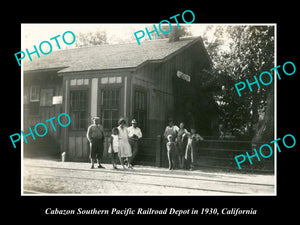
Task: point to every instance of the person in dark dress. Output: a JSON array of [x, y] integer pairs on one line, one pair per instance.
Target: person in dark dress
[[191, 147], [181, 144]]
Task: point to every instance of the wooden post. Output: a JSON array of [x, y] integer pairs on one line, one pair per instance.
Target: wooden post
[[158, 151]]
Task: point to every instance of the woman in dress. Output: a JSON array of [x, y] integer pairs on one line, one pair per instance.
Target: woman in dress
[[181, 143], [124, 146], [191, 147]]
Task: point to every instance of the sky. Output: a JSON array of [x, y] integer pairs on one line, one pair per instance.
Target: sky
[[34, 34]]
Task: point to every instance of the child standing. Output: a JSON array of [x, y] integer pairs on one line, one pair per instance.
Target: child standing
[[193, 138], [114, 147], [171, 151]]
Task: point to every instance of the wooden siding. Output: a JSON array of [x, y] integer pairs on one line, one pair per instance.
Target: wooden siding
[[78, 148], [44, 81], [158, 80]]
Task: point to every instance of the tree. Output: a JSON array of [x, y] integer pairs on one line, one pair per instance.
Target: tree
[[176, 33], [251, 52], [173, 35], [92, 38]]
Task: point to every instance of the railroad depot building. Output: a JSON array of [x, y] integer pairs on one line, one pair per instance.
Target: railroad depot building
[[149, 82]]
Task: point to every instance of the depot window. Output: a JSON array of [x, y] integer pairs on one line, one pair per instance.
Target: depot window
[[78, 110], [111, 80], [79, 82], [34, 94], [110, 107]]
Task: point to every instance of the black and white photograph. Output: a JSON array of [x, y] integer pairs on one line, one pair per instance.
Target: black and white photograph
[[155, 109]]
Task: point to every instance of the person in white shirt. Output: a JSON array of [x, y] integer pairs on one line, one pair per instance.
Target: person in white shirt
[[171, 129], [134, 134], [171, 133]]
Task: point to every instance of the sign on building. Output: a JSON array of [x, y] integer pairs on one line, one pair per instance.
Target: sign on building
[[57, 100], [183, 76]]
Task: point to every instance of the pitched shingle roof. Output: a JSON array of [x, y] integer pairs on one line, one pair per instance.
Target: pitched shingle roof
[[101, 57]]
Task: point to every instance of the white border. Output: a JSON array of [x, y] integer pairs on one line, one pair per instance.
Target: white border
[[275, 108], [137, 195], [22, 114]]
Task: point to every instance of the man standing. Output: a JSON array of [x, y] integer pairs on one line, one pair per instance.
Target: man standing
[[95, 135], [134, 134]]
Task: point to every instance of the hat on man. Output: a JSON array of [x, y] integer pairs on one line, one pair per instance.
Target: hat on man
[[133, 121], [95, 118], [121, 120]]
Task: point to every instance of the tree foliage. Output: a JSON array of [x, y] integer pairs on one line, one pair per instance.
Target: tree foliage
[[91, 38], [250, 52], [173, 35]]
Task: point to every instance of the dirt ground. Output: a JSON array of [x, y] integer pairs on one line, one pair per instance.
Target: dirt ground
[[55, 177]]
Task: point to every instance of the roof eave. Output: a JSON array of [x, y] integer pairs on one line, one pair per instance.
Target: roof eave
[[55, 69], [63, 73]]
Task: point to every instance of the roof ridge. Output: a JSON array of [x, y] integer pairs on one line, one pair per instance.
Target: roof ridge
[[134, 42], [109, 56]]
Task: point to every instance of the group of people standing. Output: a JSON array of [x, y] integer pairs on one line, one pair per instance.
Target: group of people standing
[[123, 146], [181, 145], [123, 143]]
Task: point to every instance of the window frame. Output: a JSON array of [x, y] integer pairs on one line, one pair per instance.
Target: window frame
[[86, 109], [136, 110], [38, 94], [110, 108]]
